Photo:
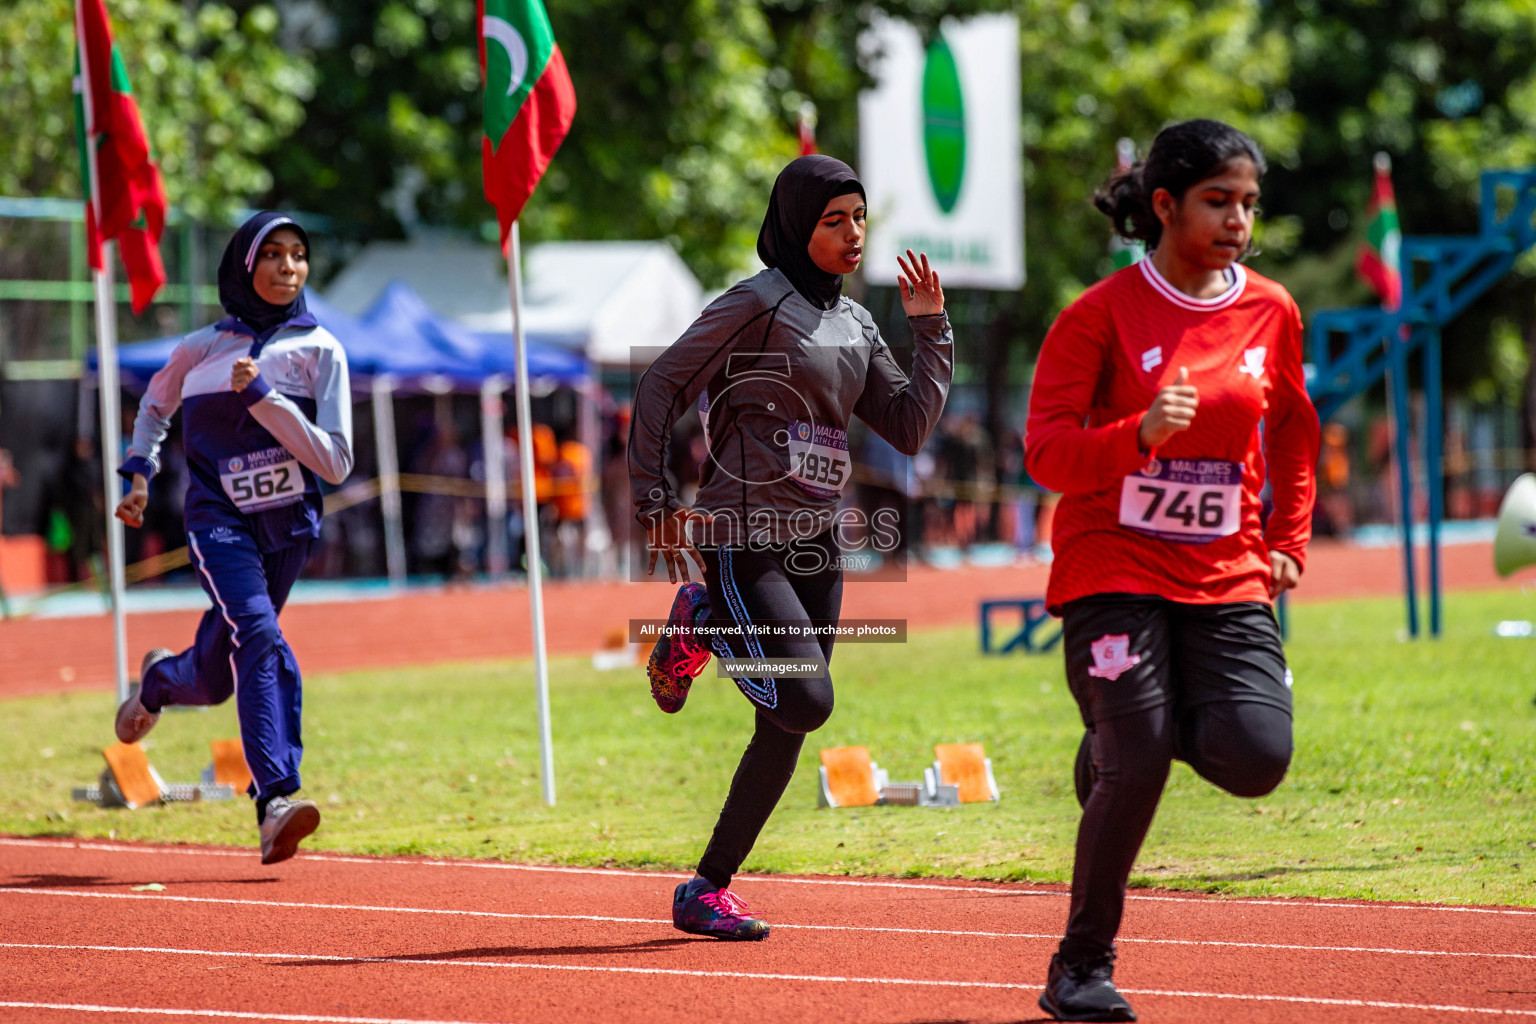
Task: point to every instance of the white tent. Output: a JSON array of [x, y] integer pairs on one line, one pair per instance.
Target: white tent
[[600, 298]]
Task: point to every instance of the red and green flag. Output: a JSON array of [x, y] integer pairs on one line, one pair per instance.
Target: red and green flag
[[529, 102], [122, 183], [1377, 263]]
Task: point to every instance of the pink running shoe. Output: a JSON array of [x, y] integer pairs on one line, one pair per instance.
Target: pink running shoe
[[678, 656], [701, 909]]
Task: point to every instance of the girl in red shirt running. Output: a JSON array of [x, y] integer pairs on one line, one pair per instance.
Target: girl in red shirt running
[[1146, 413]]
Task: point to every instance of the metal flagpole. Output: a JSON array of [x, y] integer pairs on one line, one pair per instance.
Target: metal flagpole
[[383, 402], [495, 463], [531, 520], [107, 387], [106, 377]]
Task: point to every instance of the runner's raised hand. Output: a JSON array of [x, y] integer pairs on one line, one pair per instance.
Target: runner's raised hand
[[921, 293]]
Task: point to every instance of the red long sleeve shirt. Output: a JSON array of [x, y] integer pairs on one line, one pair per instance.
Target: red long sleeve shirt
[[1181, 522]]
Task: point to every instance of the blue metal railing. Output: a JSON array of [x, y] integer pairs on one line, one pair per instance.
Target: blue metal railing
[[1353, 349]]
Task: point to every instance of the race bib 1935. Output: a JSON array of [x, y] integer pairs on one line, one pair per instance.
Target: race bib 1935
[[262, 480], [1189, 501], [818, 458]]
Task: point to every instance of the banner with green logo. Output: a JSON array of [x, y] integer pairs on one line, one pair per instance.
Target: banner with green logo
[[940, 153]]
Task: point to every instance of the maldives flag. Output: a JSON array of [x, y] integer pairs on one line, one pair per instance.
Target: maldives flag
[[122, 180], [1377, 263], [529, 102]]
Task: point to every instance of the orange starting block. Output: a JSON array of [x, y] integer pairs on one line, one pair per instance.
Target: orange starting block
[[228, 767], [967, 767], [848, 778], [131, 781], [961, 774], [135, 779]]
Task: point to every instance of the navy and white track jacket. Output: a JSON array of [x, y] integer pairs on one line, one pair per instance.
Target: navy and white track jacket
[[253, 455]]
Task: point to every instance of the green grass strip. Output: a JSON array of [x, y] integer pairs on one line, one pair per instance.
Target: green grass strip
[[1413, 775]]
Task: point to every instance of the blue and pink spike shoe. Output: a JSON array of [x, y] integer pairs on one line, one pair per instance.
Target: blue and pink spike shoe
[[679, 656], [700, 909]]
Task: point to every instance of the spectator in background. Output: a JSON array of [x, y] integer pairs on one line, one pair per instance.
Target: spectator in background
[[8, 478], [884, 485], [615, 486], [76, 511], [432, 528], [1335, 513], [571, 477]]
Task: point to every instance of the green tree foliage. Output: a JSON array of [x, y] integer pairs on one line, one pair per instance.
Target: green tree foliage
[[686, 112], [677, 135], [1094, 72], [1449, 90], [216, 92]]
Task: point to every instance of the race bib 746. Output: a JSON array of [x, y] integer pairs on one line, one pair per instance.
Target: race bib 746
[[1188, 501]]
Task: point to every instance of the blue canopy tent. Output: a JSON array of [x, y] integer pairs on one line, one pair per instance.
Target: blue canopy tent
[[403, 344], [400, 313], [403, 321], [402, 336]]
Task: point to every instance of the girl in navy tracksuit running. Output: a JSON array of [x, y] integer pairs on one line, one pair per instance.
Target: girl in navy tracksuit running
[[267, 409]]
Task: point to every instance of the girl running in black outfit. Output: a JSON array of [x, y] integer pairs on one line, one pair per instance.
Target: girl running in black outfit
[[782, 360]]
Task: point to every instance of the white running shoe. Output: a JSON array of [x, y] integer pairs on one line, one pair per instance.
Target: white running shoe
[[286, 824], [133, 719]]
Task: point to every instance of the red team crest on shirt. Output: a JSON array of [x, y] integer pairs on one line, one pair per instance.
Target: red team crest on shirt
[[1112, 656]]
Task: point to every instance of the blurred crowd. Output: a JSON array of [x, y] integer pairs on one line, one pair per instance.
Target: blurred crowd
[[961, 497]]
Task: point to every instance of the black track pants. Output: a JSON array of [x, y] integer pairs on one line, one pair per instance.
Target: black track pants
[[788, 585], [1156, 680]]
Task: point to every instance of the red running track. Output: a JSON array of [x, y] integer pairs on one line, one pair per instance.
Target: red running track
[[462, 624], [352, 939]]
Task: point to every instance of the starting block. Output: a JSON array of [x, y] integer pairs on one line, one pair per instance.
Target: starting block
[[228, 767], [849, 778], [966, 767], [1032, 616], [131, 781]]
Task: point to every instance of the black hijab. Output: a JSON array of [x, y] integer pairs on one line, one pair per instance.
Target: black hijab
[[801, 193], [249, 313]]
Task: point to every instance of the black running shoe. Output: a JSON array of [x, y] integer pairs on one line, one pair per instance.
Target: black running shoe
[[1084, 991]]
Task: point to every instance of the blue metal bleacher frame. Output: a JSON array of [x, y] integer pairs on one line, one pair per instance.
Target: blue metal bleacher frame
[[1353, 349], [1032, 616]]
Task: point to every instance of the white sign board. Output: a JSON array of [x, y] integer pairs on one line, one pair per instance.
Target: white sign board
[[940, 155]]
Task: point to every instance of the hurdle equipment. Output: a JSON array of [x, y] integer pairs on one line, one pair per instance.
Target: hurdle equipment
[[967, 768], [849, 778], [130, 781], [1032, 615]]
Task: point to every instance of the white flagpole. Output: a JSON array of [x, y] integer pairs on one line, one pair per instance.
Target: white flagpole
[[531, 521], [106, 378]]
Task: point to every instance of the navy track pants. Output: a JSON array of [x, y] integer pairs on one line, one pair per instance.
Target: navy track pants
[[239, 650]]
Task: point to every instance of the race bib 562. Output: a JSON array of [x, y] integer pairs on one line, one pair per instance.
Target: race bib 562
[[257, 481], [1189, 501]]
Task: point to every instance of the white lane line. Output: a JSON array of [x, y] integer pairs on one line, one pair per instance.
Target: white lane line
[[859, 883], [166, 1011], [758, 976], [1320, 1001], [507, 915]]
